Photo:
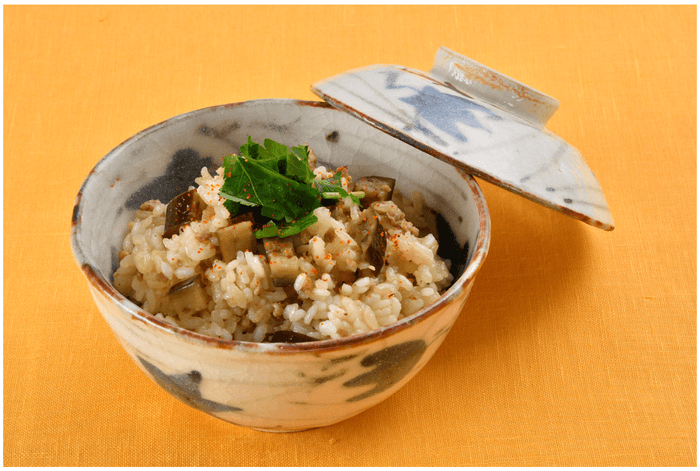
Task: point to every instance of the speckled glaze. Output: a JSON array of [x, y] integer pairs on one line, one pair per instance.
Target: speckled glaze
[[272, 387], [477, 119]]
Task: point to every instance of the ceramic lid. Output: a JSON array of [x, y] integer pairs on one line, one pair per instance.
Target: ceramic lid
[[477, 119]]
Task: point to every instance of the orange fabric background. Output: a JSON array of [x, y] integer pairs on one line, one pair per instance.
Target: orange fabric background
[[577, 346]]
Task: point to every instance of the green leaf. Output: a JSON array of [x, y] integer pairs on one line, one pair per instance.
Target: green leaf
[[232, 207], [287, 229], [333, 185], [276, 178], [257, 184], [298, 165]]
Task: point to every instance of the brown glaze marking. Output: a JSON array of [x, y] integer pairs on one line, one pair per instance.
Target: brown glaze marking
[[586, 219], [315, 104], [421, 75], [75, 219], [99, 282], [494, 81]]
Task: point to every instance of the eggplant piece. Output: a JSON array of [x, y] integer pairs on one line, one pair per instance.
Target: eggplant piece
[[287, 336], [185, 208], [363, 230], [284, 264], [376, 250], [235, 238], [371, 238], [375, 189], [188, 297]]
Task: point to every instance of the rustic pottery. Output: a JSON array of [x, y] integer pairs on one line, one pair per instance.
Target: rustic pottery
[[430, 130], [275, 387]]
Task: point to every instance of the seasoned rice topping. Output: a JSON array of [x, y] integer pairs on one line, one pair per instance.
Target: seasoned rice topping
[[335, 287]]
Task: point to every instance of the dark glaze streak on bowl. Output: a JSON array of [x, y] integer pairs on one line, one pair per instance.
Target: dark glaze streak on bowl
[[323, 379], [186, 388], [75, 219], [185, 165], [221, 134], [280, 129], [388, 366], [314, 104], [482, 243], [343, 359]]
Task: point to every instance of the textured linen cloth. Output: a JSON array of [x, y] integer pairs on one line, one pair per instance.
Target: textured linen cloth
[[577, 347]]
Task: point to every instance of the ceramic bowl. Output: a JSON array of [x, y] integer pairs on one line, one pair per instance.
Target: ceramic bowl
[[273, 387]]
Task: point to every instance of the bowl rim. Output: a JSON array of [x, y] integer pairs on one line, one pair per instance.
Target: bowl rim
[[103, 286]]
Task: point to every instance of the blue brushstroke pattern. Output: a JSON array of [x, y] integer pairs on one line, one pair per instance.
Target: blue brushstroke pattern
[[389, 366], [185, 387], [442, 110]]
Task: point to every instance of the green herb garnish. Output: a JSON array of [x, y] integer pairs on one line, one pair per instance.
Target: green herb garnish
[[282, 229], [279, 180], [331, 188]]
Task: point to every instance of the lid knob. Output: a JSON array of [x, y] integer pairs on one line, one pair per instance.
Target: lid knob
[[479, 81]]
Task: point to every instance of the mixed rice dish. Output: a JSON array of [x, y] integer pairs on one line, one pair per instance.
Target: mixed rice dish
[[350, 268]]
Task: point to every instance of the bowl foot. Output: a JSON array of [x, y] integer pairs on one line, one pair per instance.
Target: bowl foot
[[279, 430]]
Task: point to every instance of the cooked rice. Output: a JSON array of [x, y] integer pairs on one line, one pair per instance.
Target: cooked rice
[[335, 295]]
